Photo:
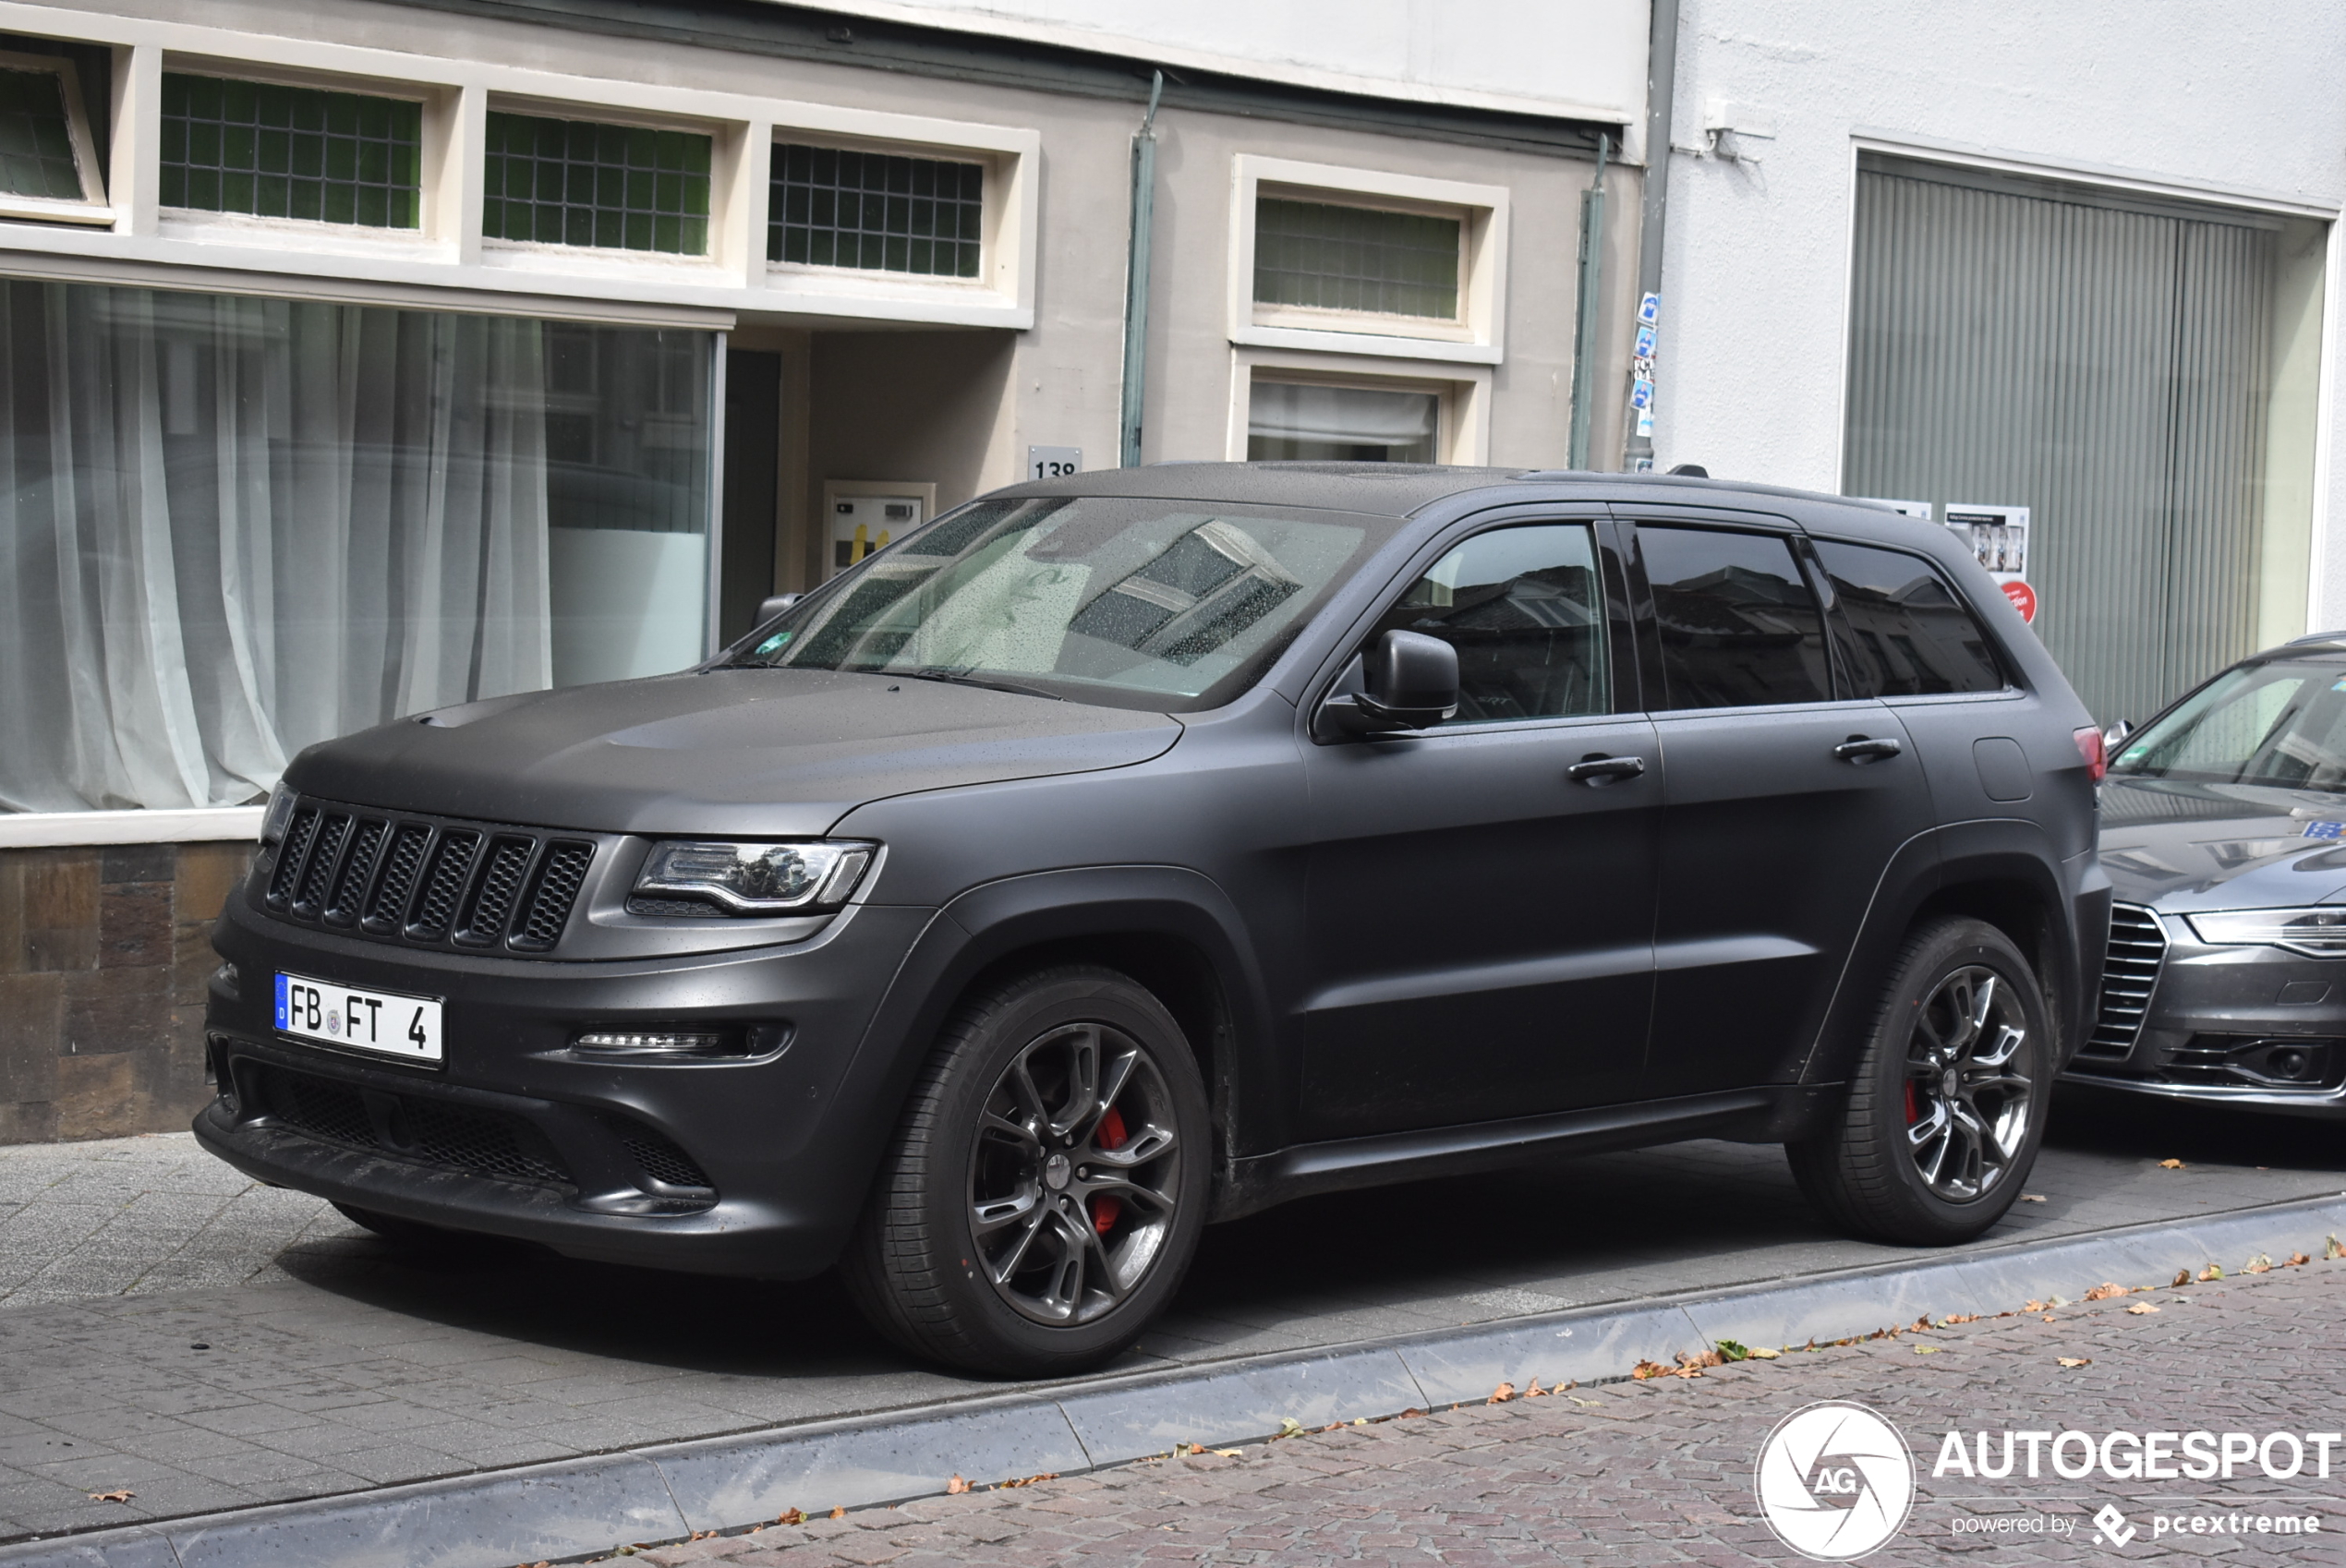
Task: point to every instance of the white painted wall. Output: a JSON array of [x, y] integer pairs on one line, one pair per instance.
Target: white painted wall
[[1581, 57], [2194, 98]]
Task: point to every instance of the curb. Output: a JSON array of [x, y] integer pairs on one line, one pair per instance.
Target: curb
[[662, 1493]]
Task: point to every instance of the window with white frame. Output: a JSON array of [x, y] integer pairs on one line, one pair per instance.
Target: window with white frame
[[1340, 422], [1362, 261], [877, 212], [595, 185], [271, 149], [48, 164]]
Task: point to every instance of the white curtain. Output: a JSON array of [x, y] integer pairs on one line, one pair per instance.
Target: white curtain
[[230, 527]]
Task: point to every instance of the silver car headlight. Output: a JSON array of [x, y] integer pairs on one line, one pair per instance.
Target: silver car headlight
[[754, 878], [2318, 933]]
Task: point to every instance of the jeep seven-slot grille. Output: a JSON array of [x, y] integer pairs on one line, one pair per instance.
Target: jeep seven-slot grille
[[2129, 974], [431, 883]]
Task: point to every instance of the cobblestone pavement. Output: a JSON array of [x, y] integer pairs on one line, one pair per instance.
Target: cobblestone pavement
[[1661, 1471], [169, 1329]]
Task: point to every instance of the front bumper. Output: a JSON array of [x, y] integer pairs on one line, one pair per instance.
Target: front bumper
[[2256, 1027], [755, 1164]]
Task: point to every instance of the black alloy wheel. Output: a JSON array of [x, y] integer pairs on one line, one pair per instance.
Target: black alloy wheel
[[1075, 1174], [1046, 1186], [1946, 1099], [1969, 1105]]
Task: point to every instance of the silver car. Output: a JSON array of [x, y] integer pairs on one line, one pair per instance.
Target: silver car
[[2224, 836]]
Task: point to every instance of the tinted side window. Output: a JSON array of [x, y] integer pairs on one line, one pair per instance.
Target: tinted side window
[[1905, 634], [1739, 623], [1525, 610]]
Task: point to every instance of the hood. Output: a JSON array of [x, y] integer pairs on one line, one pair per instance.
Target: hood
[[2181, 845], [772, 752]]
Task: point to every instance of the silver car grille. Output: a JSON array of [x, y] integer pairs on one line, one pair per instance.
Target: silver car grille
[[2129, 974]]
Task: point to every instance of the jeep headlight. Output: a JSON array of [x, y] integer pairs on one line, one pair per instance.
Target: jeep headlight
[[2318, 933], [752, 878]]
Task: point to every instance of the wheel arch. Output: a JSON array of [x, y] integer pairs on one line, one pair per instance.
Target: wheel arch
[[2002, 873], [1172, 930]]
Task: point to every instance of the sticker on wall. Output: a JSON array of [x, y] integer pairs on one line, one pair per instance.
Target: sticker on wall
[[1645, 342], [1998, 535], [1641, 393], [1649, 310]]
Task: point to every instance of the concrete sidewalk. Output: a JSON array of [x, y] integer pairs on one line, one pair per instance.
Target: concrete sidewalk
[[327, 1366]]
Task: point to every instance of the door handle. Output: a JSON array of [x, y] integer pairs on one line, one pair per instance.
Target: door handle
[[1599, 771], [1862, 749]]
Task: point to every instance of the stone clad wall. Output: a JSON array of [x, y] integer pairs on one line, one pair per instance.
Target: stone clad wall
[[103, 955]]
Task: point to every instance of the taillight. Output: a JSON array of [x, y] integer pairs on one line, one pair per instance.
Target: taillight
[[2089, 747]]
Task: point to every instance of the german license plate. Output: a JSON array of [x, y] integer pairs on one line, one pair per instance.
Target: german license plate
[[381, 1022]]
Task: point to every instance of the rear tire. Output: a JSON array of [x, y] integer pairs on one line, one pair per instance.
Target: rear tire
[[1045, 1192], [1946, 1107]]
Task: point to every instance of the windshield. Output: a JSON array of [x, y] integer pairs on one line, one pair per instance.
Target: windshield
[[2282, 723], [1163, 605]]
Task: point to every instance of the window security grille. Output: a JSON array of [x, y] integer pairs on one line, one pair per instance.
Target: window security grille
[[36, 137], [604, 187], [875, 211], [291, 153], [1314, 253]]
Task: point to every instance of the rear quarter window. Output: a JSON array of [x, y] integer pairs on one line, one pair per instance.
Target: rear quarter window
[[1902, 630]]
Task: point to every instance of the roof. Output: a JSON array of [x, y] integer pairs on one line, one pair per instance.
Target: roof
[[1397, 489]]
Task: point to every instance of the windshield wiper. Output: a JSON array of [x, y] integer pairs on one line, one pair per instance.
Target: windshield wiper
[[963, 677]]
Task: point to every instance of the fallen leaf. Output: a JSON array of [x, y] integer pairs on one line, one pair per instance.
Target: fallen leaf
[[1288, 1427], [2259, 1265], [2212, 1272], [2034, 1307], [2032, 1198], [2171, 1164], [2106, 1291], [2333, 1249], [955, 1487], [1929, 1349], [1022, 1481], [112, 1496], [1535, 1391], [1228, 1452], [2046, 1317], [1759, 1355], [2297, 1258], [1734, 1350], [2182, 1276], [1645, 1370], [795, 1516], [1501, 1394], [1412, 1410], [1955, 1318], [2142, 1310], [2076, 1360]]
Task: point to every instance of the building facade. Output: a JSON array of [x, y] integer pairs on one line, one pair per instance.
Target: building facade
[[363, 358], [2080, 266]]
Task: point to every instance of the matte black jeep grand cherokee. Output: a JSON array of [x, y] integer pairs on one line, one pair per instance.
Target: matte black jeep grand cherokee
[[1123, 852]]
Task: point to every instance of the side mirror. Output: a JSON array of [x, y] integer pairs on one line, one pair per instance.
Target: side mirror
[[1409, 680], [770, 607], [2115, 736]]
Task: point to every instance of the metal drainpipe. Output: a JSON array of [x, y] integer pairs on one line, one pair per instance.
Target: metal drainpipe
[[1661, 81], [1584, 340], [1136, 278]]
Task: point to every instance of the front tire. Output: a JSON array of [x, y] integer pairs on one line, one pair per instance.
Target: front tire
[[1045, 1189], [1946, 1108]]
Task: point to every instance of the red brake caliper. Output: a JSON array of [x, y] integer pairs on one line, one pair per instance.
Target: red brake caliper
[[1104, 1208], [1914, 1110]]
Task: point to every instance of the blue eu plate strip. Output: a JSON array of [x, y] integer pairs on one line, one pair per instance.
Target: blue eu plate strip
[[285, 1016]]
